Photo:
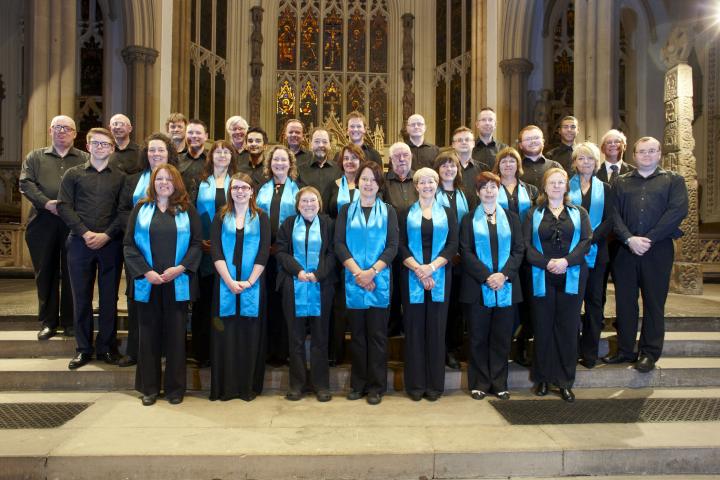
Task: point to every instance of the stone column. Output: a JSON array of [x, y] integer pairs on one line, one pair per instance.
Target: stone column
[[256, 64], [408, 70], [515, 72], [140, 103], [678, 145]]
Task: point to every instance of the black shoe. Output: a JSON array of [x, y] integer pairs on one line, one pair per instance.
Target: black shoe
[[293, 396], [111, 358], [542, 389], [69, 332], [148, 400], [451, 361], [323, 396], [645, 364], [615, 359], [177, 400], [353, 395], [432, 396], [478, 394], [589, 364], [374, 398], [127, 361], [332, 363], [46, 333], [567, 395], [80, 360], [504, 395], [415, 397], [202, 363]]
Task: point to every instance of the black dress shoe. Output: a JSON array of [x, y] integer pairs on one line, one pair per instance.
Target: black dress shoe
[[478, 394], [504, 395], [567, 395], [415, 397], [46, 333], [353, 395], [111, 358], [645, 364], [127, 361], [176, 400], [451, 361], [374, 398], [202, 363], [542, 389], [589, 364], [79, 360], [323, 396], [615, 359], [293, 396], [432, 396], [148, 400], [69, 332]]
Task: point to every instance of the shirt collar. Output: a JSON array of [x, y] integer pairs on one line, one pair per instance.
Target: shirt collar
[[480, 144], [540, 159], [392, 176], [658, 171], [51, 151]]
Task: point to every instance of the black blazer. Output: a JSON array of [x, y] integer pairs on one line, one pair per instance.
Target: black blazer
[[600, 234], [475, 273], [289, 267], [602, 171]]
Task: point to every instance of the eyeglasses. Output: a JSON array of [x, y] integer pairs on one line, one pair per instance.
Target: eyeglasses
[[62, 128], [536, 138], [651, 151], [118, 124], [613, 142], [240, 188], [96, 144]]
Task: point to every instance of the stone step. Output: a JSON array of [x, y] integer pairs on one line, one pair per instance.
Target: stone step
[[24, 344], [36, 374]]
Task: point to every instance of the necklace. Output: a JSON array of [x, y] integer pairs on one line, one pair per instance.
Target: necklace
[[450, 194], [556, 210]]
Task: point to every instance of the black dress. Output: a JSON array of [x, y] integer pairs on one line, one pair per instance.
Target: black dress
[[237, 343]]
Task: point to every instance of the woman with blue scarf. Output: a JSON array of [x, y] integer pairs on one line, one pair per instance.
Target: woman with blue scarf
[[428, 243], [276, 198], [492, 248], [239, 247], [366, 241], [557, 238], [450, 194], [159, 150], [162, 253], [598, 199], [210, 196], [306, 257], [517, 196]]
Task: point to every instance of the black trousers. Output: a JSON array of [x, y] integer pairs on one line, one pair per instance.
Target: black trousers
[[650, 275], [455, 321], [594, 319], [614, 246], [523, 315], [339, 323], [200, 320], [297, 331], [161, 324], [395, 322], [490, 331], [46, 235], [425, 323], [84, 264], [556, 321], [277, 333], [368, 349], [133, 338]]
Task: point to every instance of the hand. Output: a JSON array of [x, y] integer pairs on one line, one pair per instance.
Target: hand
[[428, 283], [423, 271], [639, 245], [154, 278], [205, 245], [370, 287], [303, 276], [365, 277], [557, 266], [51, 206], [172, 273], [496, 281], [234, 286], [311, 277], [95, 241]]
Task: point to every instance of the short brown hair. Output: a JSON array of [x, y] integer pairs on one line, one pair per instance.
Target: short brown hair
[[526, 128], [179, 201], [99, 131], [376, 171], [462, 129], [483, 178], [449, 156], [175, 117], [355, 114], [308, 189], [209, 167], [229, 206], [542, 197], [143, 161], [508, 152], [355, 150]]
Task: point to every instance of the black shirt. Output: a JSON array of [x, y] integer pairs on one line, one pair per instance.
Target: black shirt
[[400, 193], [320, 176], [484, 154], [563, 155], [600, 234], [42, 172], [469, 172], [285, 253], [391, 240], [513, 198], [533, 171], [191, 169], [303, 157], [256, 172], [216, 250], [330, 204], [370, 154], [423, 155], [448, 251], [127, 160], [88, 199], [651, 207]]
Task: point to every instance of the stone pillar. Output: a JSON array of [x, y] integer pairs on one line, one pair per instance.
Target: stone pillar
[[140, 98], [515, 72], [408, 99], [678, 145], [256, 64], [180, 95]]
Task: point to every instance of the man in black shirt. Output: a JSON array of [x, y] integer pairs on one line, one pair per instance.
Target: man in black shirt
[[46, 232], [650, 204], [294, 137], [127, 153], [356, 134], [176, 126], [88, 204], [531, 142], [253, 162], [191, 164], [462, 142], [487, 146], [562, 154], [423, 154], [321, 172]]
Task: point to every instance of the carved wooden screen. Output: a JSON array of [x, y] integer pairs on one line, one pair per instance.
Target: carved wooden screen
[[89, 101], [332, 56], [453, 23], [208, 51]]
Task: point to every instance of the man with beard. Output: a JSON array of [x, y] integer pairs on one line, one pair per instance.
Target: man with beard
[[175, 126], [252, 163], [191, 164], [127, 153], [531, 142], [320, 172]]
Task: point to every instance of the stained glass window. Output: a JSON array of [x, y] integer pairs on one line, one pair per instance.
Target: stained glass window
[[563, 77], [332, 56], [90, 79]]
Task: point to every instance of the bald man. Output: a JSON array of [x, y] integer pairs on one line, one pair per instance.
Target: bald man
[[127, 152], [423, 154], [46, 232]]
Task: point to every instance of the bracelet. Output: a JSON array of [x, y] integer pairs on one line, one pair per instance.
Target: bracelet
[[433, 267], [374, 269]]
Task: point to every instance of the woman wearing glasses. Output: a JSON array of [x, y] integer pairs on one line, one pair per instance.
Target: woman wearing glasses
[[557, 237]]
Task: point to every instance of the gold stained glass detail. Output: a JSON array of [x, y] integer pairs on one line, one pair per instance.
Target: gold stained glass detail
[[308, 100], [309, 42], [285, 99]]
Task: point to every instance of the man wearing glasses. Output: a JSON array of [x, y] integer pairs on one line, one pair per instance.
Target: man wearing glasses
[[88, 203], [650, 204], [531, 143], [127, 153], [46, 232]]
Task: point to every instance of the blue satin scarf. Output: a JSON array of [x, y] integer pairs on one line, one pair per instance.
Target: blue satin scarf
[[142, 240], [366, 242], [206, 202], [439, 238], [460, 202], [249, 298], [481, 230], [597, 204], [307, 294], [287, 201], [343, 196], [572, 274], [141, 187], [524, 202]]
